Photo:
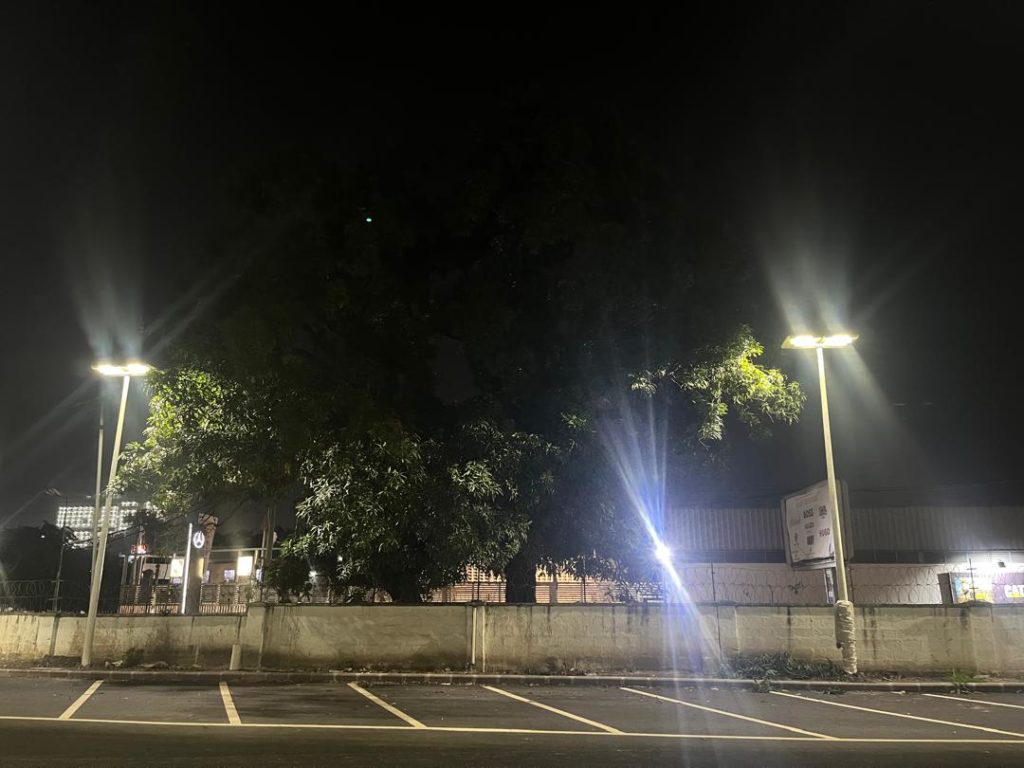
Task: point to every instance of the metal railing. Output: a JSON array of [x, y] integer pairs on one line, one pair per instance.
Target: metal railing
[[226, 598], [37, 596], [150, 600]]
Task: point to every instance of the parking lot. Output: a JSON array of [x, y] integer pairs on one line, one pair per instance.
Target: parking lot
[[638, 725]]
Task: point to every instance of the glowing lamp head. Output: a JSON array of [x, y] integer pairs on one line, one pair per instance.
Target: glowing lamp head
[[133, 368], [808, 341], [663, 553]]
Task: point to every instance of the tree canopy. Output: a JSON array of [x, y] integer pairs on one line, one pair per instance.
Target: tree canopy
[[579, 294]]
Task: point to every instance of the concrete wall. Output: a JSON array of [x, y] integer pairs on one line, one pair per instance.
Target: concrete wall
[[778, 584], [563, 638], [25, 635], [889, 638], [178, 640], [539, 638], [419, 637], [740, 583]]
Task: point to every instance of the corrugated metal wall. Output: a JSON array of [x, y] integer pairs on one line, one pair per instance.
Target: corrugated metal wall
[[704, 530], [892, 528], [939, 528]]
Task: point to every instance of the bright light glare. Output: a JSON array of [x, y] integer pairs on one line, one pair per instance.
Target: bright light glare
[[133, 368], [839, 340], [244, 566], [663, 553], [801, 342], [807, 341]]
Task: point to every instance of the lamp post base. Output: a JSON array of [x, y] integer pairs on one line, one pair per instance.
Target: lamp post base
[[846, 635]]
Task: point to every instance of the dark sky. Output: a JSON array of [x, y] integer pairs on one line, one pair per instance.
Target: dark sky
[[867, 154]]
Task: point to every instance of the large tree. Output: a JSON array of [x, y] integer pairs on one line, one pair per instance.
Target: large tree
[[589, 299]]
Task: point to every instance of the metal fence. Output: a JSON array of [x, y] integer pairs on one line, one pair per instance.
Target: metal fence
[[158, 600], [166, 599], [42, 595], [226, 598], [767, 584]]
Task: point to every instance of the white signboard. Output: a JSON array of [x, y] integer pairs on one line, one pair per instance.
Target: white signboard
[[807, 517], [177, 568]]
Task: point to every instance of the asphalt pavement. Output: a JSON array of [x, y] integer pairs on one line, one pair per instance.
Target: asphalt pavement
[[93, 723]]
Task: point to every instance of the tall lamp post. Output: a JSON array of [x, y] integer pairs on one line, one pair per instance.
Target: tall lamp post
[[125, 372], [845, 625], [98, 497]]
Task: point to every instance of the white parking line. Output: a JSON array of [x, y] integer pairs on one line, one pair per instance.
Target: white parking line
[[899, 714], [523, 731], [229, 705], [562, 712], [973, 701], [729, 714], [77, 703], [392, 709]]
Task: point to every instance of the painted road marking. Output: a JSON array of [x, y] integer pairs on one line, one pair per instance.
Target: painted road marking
[[77, 703], [973, 701], [513, 731], [729, 714], [229, 705], [390, 708], [562, 712], [900, 714]]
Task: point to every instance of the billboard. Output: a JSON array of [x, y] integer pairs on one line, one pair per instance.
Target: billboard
[[807, 523], [999, 587]]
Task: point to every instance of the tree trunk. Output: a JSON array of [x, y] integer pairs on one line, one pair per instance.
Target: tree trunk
[[521, 579]]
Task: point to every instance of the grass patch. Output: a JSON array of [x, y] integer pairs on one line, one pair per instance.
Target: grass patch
[[960, 679], [782, 666]]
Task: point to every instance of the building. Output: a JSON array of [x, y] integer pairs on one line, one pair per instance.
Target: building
[[78, 518], [896, 556]]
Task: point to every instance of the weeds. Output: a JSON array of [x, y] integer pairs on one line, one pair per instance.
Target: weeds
[[960, 680], [771, 666]]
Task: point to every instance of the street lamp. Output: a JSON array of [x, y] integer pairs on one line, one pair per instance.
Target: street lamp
[[845, 627], [125, 372]]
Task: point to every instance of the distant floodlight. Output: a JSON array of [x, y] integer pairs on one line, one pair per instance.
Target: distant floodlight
[[663, 553], [807, 341], [133, 368]]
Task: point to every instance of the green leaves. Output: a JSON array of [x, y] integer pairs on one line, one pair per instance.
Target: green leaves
[[404, 515], [726, 379], [208, 440]]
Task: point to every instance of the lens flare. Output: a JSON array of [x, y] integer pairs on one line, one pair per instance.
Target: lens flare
[[663, 553]]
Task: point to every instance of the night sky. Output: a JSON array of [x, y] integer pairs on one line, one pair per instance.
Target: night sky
[[869, 155]]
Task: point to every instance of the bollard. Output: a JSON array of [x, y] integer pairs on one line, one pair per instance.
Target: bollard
[[236, 657]]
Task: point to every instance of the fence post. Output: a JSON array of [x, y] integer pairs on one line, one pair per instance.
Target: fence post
[[235, 663], [483, 638], [53, 633], [472, 641]]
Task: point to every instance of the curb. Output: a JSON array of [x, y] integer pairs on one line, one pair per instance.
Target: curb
[[185, 677]]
